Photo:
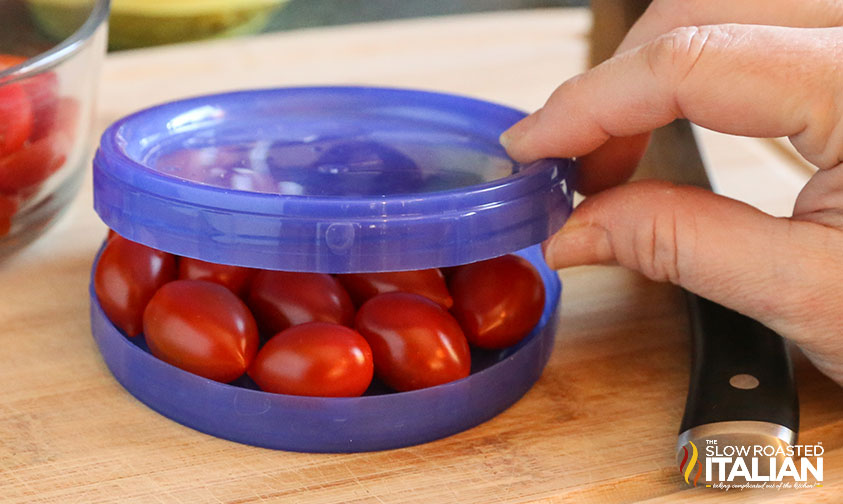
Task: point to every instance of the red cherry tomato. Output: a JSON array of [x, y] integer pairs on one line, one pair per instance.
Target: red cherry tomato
[[15, 117], [201, 327], [415, 343], [498, 301], [127, 276], [314, 359], [280, 299], [428, 283], [234, 278], [24, 170]]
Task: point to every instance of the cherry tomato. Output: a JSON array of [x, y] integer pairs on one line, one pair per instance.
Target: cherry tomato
[[24, 170], [428, 283], [15, 117], [127, 276], [415, 343], [235, 278], [315, 359], [201, 327], [498, 301], [280, 299]]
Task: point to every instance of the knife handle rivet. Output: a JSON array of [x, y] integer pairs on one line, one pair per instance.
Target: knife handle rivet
[[744, 381]]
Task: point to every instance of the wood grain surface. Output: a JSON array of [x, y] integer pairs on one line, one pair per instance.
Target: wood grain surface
[[599, 426]]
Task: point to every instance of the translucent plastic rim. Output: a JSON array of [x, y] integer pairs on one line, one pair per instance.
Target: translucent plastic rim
[[528, 178], [63, 50], [328, 233]]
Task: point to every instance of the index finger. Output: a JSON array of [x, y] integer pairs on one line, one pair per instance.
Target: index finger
[[614, 161], [739, 79], [665, 15]]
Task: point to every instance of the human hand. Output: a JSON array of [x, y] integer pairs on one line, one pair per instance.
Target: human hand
[[778, 73]]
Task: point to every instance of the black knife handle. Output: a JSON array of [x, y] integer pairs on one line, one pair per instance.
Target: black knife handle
[[726, 344]]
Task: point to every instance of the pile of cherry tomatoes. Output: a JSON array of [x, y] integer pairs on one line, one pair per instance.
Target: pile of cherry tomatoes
[[36, 134], [316, 334]]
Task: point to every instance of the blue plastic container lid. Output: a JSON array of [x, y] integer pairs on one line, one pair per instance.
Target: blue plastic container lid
[[327, 179]]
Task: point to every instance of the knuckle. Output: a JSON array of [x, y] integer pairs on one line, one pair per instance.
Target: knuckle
[[665, 258], [657, 251], [674, 55], [820, 111]]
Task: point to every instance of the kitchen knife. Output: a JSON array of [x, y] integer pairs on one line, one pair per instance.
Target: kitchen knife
[[742, 390]]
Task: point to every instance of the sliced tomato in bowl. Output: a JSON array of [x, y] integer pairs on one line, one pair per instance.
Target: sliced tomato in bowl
[[9, 205], [42, 92], [15, 117], [22, 171]]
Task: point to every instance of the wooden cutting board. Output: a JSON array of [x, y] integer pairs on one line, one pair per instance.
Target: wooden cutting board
[[599, 426]]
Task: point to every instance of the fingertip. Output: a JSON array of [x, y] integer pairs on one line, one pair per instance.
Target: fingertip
[[505, 139], [577, 243], [515, 139], [612, 163]]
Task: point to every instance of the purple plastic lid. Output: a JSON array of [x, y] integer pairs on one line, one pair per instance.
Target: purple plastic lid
[[330, 179]]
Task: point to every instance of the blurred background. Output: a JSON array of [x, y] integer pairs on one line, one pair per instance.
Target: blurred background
[[141, 23], [50, 51], [305, 13]]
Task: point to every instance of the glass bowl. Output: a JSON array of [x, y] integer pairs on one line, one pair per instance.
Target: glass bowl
[[47, 95]]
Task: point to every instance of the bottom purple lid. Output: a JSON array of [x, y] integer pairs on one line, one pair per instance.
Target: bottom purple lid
[[312, 424]]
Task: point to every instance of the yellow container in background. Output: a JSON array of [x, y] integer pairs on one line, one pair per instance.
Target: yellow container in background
[[139, 23]]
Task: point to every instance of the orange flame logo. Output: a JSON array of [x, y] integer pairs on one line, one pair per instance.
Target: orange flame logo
[[687, 466]]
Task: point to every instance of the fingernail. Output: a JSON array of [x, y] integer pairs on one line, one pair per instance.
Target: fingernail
[[505, 139], [576, 244], [517, 130]]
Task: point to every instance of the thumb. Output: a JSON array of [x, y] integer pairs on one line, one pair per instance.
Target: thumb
[[779, 271]]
